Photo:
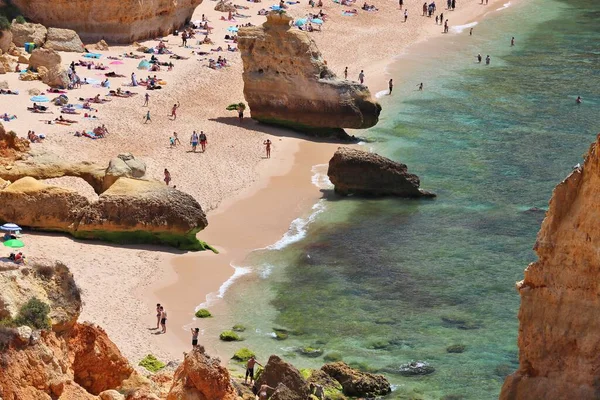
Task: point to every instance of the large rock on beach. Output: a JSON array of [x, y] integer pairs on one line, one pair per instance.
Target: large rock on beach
[[356, 383], [201, 377], [225, 6], [6, 39], [359, 172], [115, 21], [124, 165], [63, 40], [46, 58], [285, 378], [28, 32], [559, 322], [56, 77], [287, 83]]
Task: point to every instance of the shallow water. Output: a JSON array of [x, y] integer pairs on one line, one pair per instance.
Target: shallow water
[[383, 282]]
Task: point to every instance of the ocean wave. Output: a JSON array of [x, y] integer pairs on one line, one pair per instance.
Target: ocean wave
[[212, 297], [265, 271], [320, 178], [504, 6], [461, 28], [381, 93], [297, 230]]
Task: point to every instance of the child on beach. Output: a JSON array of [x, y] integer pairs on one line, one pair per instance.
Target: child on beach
[[267, 144], [176, 139], [147, 117], [167, 178], [361, 77], [174, 111]]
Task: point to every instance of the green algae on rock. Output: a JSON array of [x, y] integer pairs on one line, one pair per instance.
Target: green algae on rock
[[230, 336]]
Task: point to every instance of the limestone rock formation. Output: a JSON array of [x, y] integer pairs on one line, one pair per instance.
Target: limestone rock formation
[[48, 58], [285, 378], [359, 172], [123, 165], [560, 296], [11, 146], [116, 21], [101, 46], [201, 377], [287, 83], [224, 6], [6, 38], [56, 77], [63, 40], [356, 383], [28, 32]]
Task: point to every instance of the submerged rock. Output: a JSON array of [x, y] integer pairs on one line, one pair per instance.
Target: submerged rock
[[359, 172], [356, 383], [560, 297], [415, 368], [287, 83]]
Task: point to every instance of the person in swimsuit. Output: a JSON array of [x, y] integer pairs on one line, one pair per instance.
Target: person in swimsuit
[[203, 141], [241, 114], [176, 139], [195, 332], [157, 315], [250, 369], [391, 85], [194, 141], [346, 73], [262, 392], [163, 319], [146, 99], [267, 144], [167, 179], [174, 110]]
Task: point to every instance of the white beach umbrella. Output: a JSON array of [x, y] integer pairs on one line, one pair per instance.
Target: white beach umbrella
[[10, 227]]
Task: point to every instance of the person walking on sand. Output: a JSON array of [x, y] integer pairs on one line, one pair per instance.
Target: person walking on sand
[[163, 314], [147, 117], [267, 144], [512, 41], [203, 141], [174, 111], [401, 4], [184, 38], [241, 114], [194, 141], [391, 85], [195, 332], [446, 26], [167, 178], [436, 19], [441, 18], [405, 14], [176, 140], [250, 369], [146, 99], [346, 73], [424, 9], [361, 77], [157, 315]]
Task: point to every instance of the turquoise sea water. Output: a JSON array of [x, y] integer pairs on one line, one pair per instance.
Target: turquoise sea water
[[384, 282]]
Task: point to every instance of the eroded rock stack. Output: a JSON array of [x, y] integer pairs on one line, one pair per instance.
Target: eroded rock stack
[[287, 83], [560, 296], [116, 21]]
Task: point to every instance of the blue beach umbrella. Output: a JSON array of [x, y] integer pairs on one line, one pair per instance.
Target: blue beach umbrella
[[144, 64], [316, 21], [10, 227], [40, 99], [300, 22], [233, 29], [275, 8]]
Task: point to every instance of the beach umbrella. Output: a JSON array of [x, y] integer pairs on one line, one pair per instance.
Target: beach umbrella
[[233, 29], [275, 8], [14, 243], [316, 21], [300, 22], [40, 99], [144, 64], [10, 227]]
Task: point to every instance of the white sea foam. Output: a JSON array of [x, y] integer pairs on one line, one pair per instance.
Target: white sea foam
[[461, 28], [361, 143], [381, 93], [297, 230], [504, 6], [320, 178], [265, 271], [212, 297]]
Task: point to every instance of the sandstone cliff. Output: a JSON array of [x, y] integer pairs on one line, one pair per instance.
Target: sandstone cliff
[[287, 83], [359, 172], [559, 319], [116, 21]]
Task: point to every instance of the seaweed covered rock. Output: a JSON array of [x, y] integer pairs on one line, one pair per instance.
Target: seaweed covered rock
[[359, 172], [560, 296], [356, 383], [116, 21], [287, 83], [201, 377], [285, 378]]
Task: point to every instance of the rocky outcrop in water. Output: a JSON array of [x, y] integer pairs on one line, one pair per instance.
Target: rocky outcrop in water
[[285, 378], [359, 172], [116, 21], [559, 316], [356, 383], [287, 83], [127, 210]]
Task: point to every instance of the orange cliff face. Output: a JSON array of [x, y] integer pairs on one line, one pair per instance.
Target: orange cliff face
[[559, 332]]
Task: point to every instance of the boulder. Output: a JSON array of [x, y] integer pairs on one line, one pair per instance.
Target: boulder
[[415, 368], [56, 77], [201, 377], [101, 46], [23, 58], [29, 76], [8, 63], [45, 57], [6, 38], [560, 296], [24, 334], [357, 383], [122, 21], [224, 6], [359, 172], [111, 395], [63, 40], [124, 165], [289, 383], [28, 32], [287, 83]]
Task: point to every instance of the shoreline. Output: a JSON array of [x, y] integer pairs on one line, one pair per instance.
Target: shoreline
[[181, 269]]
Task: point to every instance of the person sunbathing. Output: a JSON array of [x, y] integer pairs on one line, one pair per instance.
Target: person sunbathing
[[229, 48], [217, 49], [33, 138]]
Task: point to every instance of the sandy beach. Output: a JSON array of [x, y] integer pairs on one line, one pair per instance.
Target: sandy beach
[[250, 200]]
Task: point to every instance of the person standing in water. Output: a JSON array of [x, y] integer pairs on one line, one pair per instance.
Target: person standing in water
[[195, 332], [267, 144], [361, 77], [471, 32], [391, 85], [512, 41], [250, 369], [487, 60], [579, 100], [420, 86], [479, 58], [163, 317], [167, 178]]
